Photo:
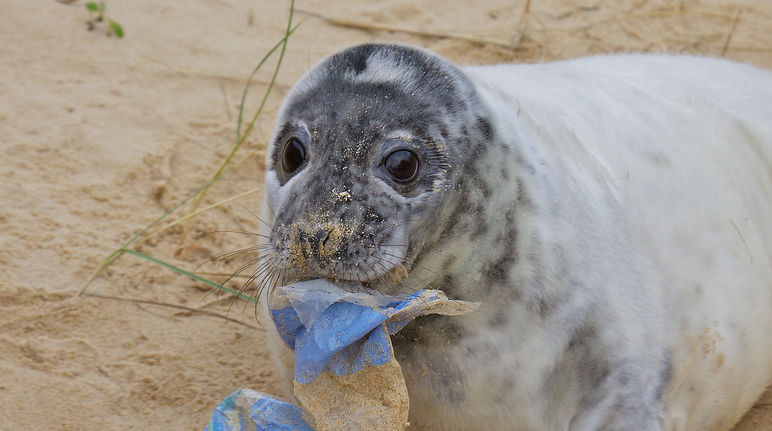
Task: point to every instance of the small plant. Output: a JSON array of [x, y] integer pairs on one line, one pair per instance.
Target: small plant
[[99, 8], [227, 165]]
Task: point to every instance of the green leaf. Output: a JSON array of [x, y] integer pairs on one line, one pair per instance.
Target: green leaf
[[116, 28], [92, 6]]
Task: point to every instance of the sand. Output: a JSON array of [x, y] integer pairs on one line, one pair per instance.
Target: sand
[[98, 136]]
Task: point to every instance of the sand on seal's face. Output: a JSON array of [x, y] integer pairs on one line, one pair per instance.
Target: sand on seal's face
[[98, 136]]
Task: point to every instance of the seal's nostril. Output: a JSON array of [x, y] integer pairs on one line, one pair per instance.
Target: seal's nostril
[[322, 236], [302, 236]]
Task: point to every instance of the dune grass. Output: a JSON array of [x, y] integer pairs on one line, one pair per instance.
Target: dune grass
[[198, 194]]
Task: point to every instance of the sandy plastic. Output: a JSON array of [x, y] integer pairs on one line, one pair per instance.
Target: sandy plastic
[[310, 298], [346, 376]]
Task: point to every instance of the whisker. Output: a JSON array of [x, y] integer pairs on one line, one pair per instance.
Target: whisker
[[272, 279], [240, 270], [390, 280], [266, 265], [219, 259], [245, 232], [234, 253], [418, 266], [270, 208], [269, 226], [231, 276]]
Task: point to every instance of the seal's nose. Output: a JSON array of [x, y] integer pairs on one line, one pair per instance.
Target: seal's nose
[[314, 244], [322, 235], [311, 241]]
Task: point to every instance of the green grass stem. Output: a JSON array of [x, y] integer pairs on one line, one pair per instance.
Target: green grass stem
[[201, 191], [241, 138], [191, 275]]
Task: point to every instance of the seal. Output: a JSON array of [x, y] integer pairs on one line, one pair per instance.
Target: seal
[[612, 214]]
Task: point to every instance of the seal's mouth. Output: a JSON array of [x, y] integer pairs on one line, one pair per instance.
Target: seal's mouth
[[378, 273], [372, 287], [379, 283], [340, 254]]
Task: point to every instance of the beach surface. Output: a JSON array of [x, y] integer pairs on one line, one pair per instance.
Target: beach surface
[[100, 135]]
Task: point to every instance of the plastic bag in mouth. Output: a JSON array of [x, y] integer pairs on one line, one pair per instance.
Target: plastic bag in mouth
[[310, 298], [332, 327], [346, 376]]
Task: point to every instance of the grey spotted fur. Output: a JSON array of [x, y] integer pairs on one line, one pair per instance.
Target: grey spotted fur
[[574, 332]]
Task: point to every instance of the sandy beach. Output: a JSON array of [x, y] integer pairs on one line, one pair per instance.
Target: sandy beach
[[101, 135]]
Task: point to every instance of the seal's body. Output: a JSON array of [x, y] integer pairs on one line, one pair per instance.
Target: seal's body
[[611, 213]]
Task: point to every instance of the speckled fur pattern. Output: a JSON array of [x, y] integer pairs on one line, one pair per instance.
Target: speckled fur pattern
[[611, 213]]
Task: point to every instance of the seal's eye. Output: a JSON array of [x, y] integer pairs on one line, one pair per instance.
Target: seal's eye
[[402, 165], [293, 155]]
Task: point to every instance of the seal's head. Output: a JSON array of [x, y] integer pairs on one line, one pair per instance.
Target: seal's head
[[364, 158]]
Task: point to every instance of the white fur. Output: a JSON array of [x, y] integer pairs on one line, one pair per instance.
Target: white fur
[[679, 149], [667, 162]]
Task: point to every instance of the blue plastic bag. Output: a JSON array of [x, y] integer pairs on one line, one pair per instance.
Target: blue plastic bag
[[247, 409], [330, 329]]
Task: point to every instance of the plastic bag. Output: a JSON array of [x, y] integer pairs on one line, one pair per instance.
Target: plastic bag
[[346, 376]]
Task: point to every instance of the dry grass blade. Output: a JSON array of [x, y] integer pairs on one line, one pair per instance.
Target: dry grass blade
[[731, 33], [177, 306], [197, 212], [223, 274], [522, 26], [673, 13], [239, 137], [222, 170], [424, 33], [114, 255]]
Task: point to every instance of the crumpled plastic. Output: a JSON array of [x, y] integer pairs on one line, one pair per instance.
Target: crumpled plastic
[[246, 409], [346, 376]]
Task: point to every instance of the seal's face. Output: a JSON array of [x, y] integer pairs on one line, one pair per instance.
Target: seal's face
[[363, 159]]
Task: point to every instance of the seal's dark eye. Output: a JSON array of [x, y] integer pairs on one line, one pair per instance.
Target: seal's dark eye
[[293, 155], [402, 165]]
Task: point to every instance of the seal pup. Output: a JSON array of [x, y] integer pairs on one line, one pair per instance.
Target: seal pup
[[611, 213]]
